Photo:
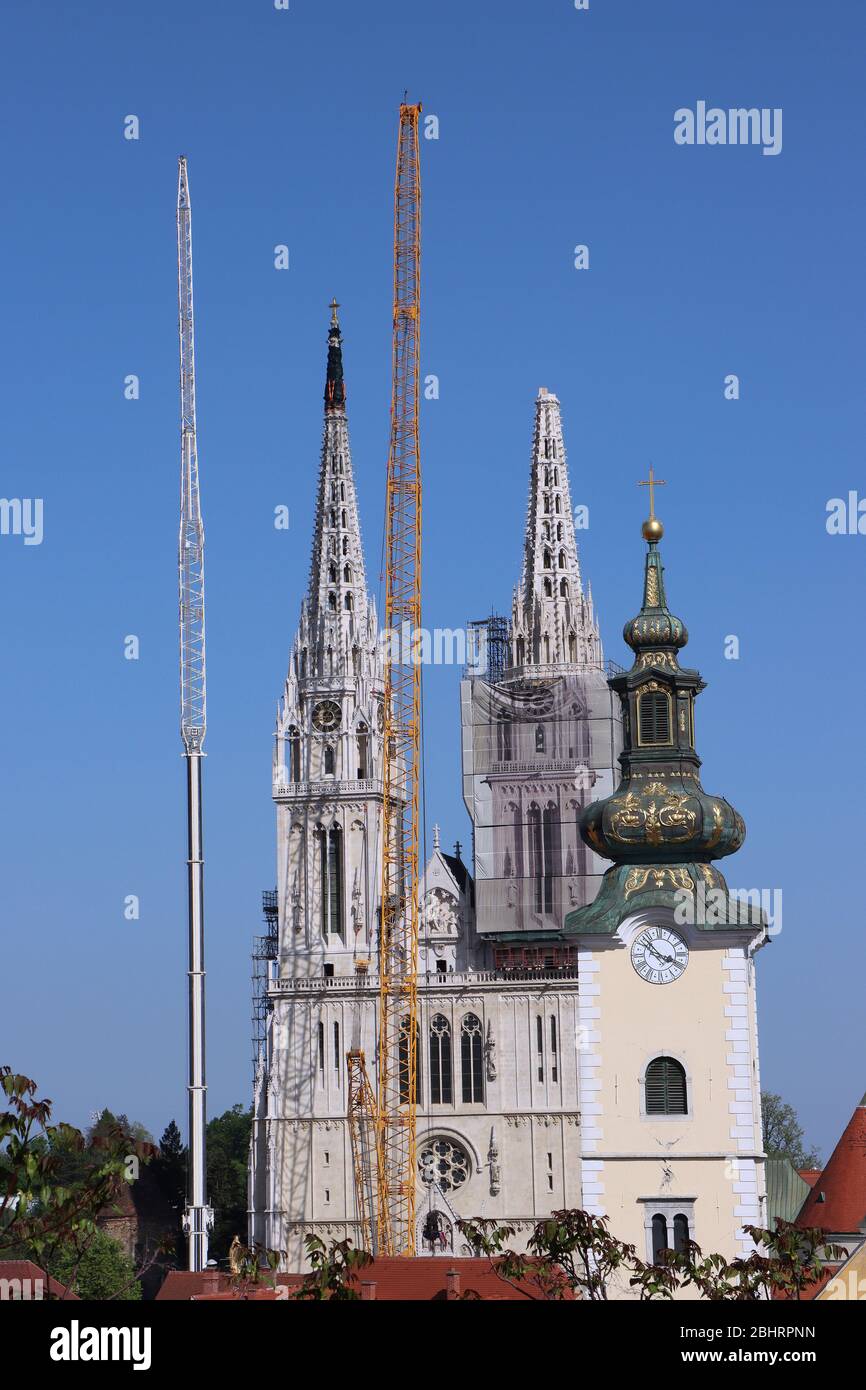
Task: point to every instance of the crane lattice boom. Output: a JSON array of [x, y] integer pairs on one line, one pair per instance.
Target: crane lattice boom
[[398, 949]]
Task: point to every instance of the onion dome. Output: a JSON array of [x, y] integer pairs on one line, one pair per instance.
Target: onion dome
[[660, 827]]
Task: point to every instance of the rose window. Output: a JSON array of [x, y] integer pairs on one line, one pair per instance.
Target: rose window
[[444, 1163]]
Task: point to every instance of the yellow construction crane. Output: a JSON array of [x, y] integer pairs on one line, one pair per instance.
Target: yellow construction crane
[[386, 1197]]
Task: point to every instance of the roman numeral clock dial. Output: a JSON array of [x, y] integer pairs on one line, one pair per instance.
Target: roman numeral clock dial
[[659, 956]]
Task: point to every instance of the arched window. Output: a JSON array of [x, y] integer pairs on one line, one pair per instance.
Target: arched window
[[343, 516], [665, 1087], [681, 1232], [521, 651], [547, 559], [345, 545], [539, 738], [329, 761], [441, 1084], [572, 647], [548, 588], [563, 587], [303, 662], [363, 743], [562, 559], [660, 1236], [342, 493], [331, 877], [503, 740], [559, 530], [471, 1058], [294, 754], [332, 602], [654, 718], [332, 574], [347, 574], [350, 604], [403, 1061], [558, 506], [546, 503], [333, 517]]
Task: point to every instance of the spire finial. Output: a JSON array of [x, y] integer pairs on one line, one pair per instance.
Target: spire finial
[[334, 306], [436, 837], [652, 529]]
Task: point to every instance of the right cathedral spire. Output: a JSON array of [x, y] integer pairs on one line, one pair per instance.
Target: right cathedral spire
[[553, 623]]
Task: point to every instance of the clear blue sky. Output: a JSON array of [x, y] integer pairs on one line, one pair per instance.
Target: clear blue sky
[[556, 128]]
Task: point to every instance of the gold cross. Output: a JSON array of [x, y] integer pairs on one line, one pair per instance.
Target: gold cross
[[652, 482], [333, 306]]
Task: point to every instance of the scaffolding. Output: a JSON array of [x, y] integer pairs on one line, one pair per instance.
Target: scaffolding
[[265, 949], [489, 647]]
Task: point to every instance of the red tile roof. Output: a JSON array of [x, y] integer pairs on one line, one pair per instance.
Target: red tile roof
[[386, 1280], [27, 1270], [810, 1175], [837, 1202]]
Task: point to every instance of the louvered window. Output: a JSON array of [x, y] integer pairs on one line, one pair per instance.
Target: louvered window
[[654, 718], [665, 1087]]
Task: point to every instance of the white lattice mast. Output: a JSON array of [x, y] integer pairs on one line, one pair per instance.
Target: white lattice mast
[[198, 1217]]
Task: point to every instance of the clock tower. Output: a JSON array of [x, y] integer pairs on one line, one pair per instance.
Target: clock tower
[[669, 1080]]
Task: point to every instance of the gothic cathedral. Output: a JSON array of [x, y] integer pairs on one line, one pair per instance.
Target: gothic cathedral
[[586, 1038]]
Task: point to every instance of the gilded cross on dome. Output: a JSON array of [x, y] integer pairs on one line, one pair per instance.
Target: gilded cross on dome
[[652, 528]]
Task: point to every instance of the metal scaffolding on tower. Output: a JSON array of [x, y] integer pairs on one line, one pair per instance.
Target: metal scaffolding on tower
[[198, 1216]]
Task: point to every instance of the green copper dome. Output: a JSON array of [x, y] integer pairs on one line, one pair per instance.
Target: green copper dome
[[660, 828]]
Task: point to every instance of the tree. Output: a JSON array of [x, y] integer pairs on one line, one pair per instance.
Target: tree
[[228, 1143], [333, 1270], [170, 1165], [783, 1133], [55, 1181], [100, 1271]]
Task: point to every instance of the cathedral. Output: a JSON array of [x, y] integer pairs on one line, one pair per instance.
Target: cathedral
[[587, 1035]]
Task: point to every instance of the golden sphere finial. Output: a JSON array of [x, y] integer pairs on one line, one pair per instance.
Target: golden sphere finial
[[652, 529]]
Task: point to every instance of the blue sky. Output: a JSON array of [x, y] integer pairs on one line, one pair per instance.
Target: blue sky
[[556, 128]]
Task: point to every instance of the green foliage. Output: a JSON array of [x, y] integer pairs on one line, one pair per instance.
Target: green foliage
[[55, 1181], [170, 1166], [333, 1270], [228, 1142], [573, 1253], [99, 1270], [783, 1133]]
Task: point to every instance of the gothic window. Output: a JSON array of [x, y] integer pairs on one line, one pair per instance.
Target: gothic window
[[356, 662], [337, 1052], [333, 492], [347, 574], [332, 602], [546, 503], [665, 1087], [548, 588], [333, 517], [550, 847], [321, 1053], [342, 493], [294, 754], [558, 505], [563, 587], [547, 530], [471, 1054], [303, 662], [572, 647], [330, 660], [343, 518], [553, 446], [521, 651], [363, 743], [332, 574], [329, 760], [559, 530], [503, 740], [350, 604], [654, 718], [539, 738], [547, 453], [663, 1227], [345, 545], [443, 1162], [562, 559], [556, 470], [546, 644], [331, 877], [441, 1085], [403, 1061], [554, 1056], [539, 1045], [547, 559]]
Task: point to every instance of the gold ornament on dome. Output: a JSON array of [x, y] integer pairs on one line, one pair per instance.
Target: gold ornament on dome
[[638, 877], [658, 659], [718, 826], [666, 817], [652, 587]]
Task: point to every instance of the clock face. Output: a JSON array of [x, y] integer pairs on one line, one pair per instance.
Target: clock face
[[326, 716], [659, 956]]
